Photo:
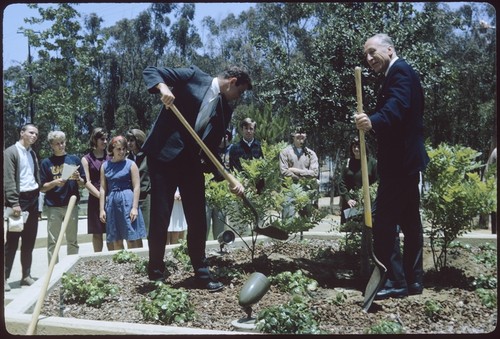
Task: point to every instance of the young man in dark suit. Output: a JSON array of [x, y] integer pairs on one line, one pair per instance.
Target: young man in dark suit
[[174, 158], [247, 148], [397, 122]]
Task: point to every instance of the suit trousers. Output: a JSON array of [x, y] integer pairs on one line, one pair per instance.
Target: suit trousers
[[184, 172], [215, 220], [398, 203], [28, 202]]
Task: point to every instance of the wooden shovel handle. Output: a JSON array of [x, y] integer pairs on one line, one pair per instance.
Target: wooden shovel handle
[[41, 297], [362, 147]]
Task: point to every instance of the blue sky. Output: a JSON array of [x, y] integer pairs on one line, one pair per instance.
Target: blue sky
[[15, 45]]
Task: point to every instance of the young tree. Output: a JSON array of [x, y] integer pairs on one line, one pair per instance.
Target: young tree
[[456, 195]]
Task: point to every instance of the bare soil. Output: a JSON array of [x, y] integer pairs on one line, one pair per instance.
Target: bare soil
[[461, 311]]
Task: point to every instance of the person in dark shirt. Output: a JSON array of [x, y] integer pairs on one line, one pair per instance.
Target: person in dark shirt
[[351, 179], [91, 163], [135, 138], [247, 148], [58, 191]]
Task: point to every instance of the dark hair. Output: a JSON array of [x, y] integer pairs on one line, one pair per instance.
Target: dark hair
[[248, 122], [97, 133], [137, 135], [355, 141], [25, 126], [298, 130], [242, 77]]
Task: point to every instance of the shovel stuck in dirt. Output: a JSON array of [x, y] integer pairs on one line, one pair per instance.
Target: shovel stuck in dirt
[[378, 275], [270, 231]]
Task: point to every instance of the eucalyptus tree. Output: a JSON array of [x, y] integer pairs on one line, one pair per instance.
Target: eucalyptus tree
[[264, 39], [472, 113], [62, 75], [184, 33], [94, 42], [16, 101], [134, 44]]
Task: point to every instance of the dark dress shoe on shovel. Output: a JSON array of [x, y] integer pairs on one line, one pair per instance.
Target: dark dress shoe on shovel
[[272, 232], [415, 288], [386, 293], [209, 285]]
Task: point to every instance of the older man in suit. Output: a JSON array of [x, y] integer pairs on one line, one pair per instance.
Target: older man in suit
[[174, 158], [398, 125]]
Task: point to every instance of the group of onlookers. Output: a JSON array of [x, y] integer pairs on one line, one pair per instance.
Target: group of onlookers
[[115, 175], [175, 162]]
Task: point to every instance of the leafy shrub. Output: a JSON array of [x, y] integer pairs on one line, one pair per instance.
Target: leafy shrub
[[92, 293], [386, 327], [295, 283], [455, 196], [124, 256], [141, 266], [180, 253], [295, 317], [269, 201], [488, 297], [432, 308], [488, 255], [485, 281], [167, 305]]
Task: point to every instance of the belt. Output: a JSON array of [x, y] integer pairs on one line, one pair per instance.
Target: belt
[[119, 189], [30, 194]]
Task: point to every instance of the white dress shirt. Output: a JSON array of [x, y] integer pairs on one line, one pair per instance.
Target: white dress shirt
[[207, 106], [27, 180]]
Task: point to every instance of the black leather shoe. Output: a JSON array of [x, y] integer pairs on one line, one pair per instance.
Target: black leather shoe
[[209, 285], [415, 288], [386, 293], [157, 275]]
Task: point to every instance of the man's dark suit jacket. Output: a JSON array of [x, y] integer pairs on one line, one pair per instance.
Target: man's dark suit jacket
[[398, 123], [168, 137]]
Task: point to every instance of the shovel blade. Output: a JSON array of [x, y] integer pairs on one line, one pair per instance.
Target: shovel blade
[[272, 232], [374, 284]]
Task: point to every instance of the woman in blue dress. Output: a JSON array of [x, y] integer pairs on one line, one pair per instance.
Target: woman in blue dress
[[119, 198]]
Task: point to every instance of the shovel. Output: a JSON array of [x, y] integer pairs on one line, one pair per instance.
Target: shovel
[[378, 275], [41, 297], [270, 231]]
